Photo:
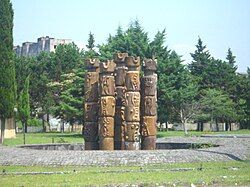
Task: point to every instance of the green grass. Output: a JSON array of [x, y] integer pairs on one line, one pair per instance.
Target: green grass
[[41, 138], [161, 134], [208, 173]]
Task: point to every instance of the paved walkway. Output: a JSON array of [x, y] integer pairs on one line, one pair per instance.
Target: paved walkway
[[229, 149]]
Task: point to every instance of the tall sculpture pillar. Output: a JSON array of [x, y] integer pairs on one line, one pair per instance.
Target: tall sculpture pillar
[[90, 128], [149, 105], [132, 104], [107, 105], [120, 74]]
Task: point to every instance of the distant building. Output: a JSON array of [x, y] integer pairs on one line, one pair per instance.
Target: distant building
[[43, 44]]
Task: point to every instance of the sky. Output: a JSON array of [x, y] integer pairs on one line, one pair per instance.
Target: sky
[[219, 23]]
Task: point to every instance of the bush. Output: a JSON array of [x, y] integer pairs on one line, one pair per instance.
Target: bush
[[34, 122]]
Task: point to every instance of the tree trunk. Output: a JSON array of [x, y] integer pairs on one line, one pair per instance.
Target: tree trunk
[[48, 120], [44, 128], [24, 138], [2, 130], [183, 121], [62, 128], [25, 127], [72, 127]]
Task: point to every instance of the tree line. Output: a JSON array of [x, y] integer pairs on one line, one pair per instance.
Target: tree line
[[205, 90]]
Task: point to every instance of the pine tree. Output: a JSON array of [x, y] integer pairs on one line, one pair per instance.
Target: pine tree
[[231, 58], [91, 41], [201, 57], [7, 69]]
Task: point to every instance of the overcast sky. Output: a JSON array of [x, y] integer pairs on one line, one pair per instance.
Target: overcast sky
[[219, 23]]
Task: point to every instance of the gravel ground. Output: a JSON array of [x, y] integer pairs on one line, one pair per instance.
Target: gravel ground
[[229, 149]]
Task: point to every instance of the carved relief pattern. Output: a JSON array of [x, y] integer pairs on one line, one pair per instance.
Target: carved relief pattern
[[107, 85], [150, 108], [132, 133], [132, 81], [107, 106], [106, 127]]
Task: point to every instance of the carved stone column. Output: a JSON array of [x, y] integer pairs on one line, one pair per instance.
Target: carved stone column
[[120, 74], [132, 104], [91, 108], [149, 105], [107, 105]]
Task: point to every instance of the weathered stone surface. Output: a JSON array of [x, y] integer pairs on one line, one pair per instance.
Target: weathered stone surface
[[149, 106], [132, 114], [229, 149], [107, 143], [132, 145], [92, 63], [132, 61], [149, 84], [148, 143], [91, 111], [107, 104], [90, 131], [132, 99], [108, 66], [148, 126], [120, 74], [132, 81], [106, 127], [107, 85], [120, 95], [119, 58], [132, 132]]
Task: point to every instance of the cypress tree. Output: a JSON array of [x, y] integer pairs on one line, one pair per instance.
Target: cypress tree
[[7, 70]]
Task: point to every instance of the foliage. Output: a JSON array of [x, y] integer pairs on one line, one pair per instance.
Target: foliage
[[7, 69], [24, 105]]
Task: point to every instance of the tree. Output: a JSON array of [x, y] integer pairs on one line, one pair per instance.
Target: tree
[[91, 41], [134, 41], [7, 71], [24, 106], [201, 58], [217, 106], [231, 58]]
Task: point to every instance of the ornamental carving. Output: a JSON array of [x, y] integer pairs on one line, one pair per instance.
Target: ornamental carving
[[150, 65], [132, 81], [150, 106], [149, 85], [119, 58], [107, 106], [106, 127], [92, 63], [132, 61], [148, 127], [120, 74], [108, 66], [132, 99], [107, 85], [132, 114], [132, 132]]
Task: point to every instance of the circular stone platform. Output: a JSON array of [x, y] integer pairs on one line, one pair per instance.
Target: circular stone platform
[[229, 149]]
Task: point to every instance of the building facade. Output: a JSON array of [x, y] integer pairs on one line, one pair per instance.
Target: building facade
[[46, 44]]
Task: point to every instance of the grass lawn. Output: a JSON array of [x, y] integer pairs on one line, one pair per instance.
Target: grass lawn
[[161, 134], [208, 173], [41, 138], [57, 137]]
